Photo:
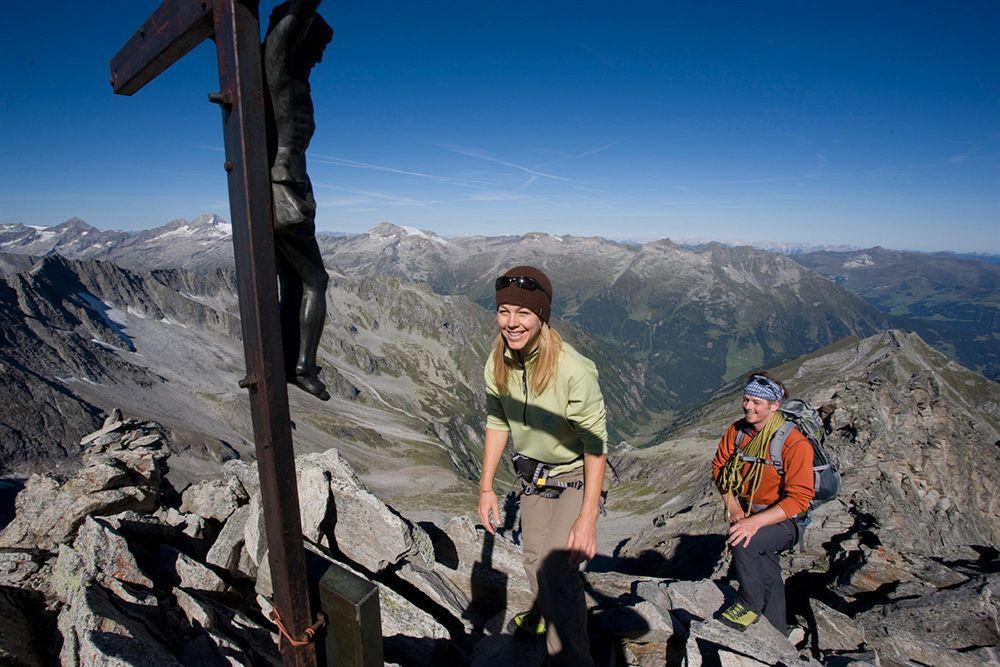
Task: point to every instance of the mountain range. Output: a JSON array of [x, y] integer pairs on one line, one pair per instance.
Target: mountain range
[[202, 243], [666, 324]]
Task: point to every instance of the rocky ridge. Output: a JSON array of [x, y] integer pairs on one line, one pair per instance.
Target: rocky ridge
[[915, 525]]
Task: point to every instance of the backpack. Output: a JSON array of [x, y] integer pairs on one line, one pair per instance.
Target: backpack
[[799, 414]]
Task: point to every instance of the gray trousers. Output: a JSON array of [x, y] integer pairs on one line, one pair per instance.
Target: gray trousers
[[545, 526], [758, 569]]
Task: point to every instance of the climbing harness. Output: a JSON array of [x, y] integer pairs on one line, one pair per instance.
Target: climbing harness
[[536, 479]]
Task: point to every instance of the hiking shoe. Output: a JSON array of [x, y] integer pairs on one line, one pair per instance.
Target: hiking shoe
[[527, 623], [738, 617]]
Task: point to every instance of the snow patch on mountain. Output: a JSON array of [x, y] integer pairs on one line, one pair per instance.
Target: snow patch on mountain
[[413, 231], [180, 231], [859, 261]]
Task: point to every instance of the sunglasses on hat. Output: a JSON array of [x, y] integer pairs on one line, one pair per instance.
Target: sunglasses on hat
[[524, 282], [765, 382]]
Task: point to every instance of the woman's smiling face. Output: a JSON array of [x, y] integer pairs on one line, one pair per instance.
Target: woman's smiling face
[[518, 326]]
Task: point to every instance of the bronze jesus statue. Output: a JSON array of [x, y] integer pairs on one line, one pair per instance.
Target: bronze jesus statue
[[296, 38]]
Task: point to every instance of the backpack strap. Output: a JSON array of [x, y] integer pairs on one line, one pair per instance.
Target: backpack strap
[[777, 443]]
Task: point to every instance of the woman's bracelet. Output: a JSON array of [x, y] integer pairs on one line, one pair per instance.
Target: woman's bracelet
[[482, 491]]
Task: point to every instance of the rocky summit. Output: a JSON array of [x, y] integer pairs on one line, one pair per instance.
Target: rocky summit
[[111, 564]]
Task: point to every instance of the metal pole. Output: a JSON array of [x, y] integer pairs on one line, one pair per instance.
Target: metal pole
[[237, 38]]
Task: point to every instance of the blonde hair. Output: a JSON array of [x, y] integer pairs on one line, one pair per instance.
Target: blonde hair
[[548, 348]]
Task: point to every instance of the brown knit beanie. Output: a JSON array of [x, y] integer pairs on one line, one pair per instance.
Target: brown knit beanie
[[536, 300]]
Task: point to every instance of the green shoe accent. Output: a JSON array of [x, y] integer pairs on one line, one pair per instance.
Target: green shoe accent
[[527, 622], [739, 617]]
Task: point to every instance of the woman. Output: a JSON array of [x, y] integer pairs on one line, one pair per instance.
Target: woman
[[762, 502], [545, 395]]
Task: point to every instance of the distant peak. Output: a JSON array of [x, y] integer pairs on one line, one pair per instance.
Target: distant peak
[[212, 219], [386, 229], [74, 224], [662, 243], [389, 230]]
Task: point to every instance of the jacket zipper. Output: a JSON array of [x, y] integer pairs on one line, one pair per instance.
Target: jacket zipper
[[524, 386]]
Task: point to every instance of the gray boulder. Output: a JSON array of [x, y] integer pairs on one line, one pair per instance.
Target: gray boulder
[[947, 627], [18, 569], [711, 642], [642, 622], [438, 588], [228, 546], [836, 631], [688, 600], [338, 511], [214, 499], [187, 572], [104, 552], [488, 570], [49, 510], [96, 632]]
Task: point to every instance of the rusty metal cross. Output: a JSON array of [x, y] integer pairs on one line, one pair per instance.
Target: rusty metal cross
[[174, 28]]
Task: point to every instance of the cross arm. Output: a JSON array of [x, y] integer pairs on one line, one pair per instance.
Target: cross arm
[[176, 27]]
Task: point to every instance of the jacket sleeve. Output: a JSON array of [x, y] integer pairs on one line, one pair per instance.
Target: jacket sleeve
[[723, 451], [496, 418], [797, 459], [585, 410]]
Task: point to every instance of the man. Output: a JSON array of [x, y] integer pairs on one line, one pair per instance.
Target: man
[[294, 44], [762, 502]]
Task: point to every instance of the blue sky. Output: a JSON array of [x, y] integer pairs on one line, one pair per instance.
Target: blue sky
[[859, 123]]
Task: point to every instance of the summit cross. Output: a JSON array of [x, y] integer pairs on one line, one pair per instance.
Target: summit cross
[[174, 29]]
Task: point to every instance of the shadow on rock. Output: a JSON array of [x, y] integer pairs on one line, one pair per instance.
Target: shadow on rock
[[694, 558]]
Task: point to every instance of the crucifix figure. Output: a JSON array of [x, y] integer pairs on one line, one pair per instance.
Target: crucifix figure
[[296, 38]]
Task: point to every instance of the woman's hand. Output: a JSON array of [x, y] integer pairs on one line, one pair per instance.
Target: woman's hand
[[582, 542], [488, 505], [744, 530]]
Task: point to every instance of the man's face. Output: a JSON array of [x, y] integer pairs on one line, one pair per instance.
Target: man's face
[[756, 411]]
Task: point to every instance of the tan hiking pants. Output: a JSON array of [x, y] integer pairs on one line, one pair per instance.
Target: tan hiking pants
[[545, 526]]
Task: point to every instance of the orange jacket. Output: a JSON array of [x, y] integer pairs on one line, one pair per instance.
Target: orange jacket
[[797, 460]]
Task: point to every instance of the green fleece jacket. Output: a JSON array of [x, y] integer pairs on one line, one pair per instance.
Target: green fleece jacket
[[557, 426]]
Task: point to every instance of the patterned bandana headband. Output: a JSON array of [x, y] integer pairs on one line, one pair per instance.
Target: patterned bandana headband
[[761, 387]]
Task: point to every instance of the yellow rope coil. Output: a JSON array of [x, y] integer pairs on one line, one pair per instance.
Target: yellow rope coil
[[737, 475]]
